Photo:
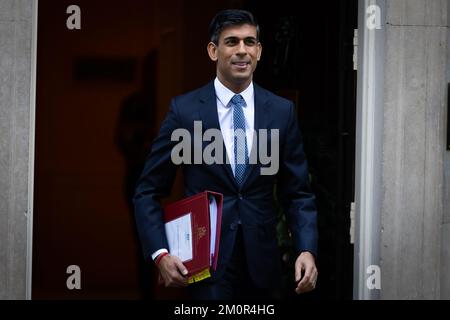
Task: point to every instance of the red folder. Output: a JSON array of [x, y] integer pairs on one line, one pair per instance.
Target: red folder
[[197, 209]]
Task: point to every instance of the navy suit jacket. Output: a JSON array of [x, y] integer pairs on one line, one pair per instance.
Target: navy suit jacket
[[252, 203]]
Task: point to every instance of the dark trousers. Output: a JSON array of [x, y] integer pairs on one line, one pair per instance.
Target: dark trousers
[[236, 283]]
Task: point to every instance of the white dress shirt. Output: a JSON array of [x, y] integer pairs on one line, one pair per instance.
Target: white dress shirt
[[225, 113]]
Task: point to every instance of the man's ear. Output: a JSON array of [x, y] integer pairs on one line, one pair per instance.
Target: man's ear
[[212, 51]]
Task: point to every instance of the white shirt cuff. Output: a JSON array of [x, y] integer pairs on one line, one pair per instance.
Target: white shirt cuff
[[157, 253]]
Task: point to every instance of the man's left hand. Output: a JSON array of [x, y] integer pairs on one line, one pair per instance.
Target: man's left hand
[[305, 264]]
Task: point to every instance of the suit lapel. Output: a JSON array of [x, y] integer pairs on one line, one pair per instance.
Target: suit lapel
[[210, 120], [261, 122]]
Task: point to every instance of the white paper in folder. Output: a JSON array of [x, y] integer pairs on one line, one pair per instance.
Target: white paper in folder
[[179, 237], [213, 225]]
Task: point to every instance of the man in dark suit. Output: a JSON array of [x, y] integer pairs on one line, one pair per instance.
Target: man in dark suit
[[249, 264]]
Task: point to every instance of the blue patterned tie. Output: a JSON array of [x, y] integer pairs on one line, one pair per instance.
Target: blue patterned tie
[[240, 148]]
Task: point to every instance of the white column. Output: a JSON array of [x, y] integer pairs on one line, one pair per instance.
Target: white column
[[17, 65], [401, 126], [369, 138], [445, 248], [413, 148]]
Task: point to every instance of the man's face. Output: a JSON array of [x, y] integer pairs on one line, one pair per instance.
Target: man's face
[[237, 54]]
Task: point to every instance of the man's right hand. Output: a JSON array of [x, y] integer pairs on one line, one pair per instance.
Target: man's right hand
[[172, 271]]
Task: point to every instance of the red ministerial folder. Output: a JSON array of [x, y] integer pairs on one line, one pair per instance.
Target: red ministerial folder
[[193, 232]]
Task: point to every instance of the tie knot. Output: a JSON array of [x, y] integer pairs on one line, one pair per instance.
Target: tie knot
[[238, 100]]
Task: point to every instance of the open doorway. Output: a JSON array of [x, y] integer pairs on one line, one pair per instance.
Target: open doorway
[[102, 92], [308, 58]]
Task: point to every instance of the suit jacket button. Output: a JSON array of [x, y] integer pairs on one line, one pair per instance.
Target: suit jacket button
[[233, 226], [240, 196]]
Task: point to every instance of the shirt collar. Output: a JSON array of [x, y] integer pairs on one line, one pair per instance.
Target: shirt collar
[[225, 95]]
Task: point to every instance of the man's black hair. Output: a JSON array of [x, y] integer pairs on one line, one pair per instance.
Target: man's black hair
[[230, 17]]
